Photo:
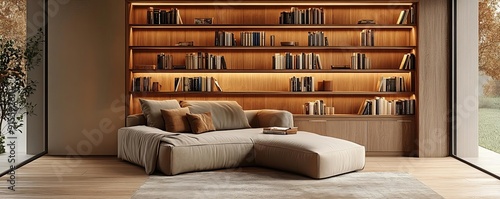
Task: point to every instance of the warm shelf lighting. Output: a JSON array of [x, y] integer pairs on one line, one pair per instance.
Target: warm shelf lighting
[[345, 3]]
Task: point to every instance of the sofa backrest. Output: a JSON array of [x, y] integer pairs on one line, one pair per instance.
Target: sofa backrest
[[278, 118]]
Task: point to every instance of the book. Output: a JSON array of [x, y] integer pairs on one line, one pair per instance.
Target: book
[[403, 62], [280, 130], [217, 84], [402, 17]]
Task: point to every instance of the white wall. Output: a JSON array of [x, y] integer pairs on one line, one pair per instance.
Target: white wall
[[86, 76], [467, 77]]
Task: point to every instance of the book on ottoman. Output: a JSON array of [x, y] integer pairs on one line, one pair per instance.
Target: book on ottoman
[[280, 130]]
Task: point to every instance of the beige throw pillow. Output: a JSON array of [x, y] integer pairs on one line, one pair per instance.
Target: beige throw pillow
[[226, 115], [200, 123], [151, 110], [176, 120]]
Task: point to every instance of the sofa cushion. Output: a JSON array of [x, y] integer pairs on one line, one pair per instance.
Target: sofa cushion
[[200, 123], [309, 154], [268, 118], [176, 120], [226, 115], [135, 120], [184, 152], [152, 110]]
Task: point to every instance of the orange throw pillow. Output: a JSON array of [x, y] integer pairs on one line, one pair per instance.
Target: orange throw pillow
[[176, 120]]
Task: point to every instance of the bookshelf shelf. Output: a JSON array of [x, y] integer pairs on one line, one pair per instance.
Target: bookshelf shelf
[[374, 117], [274, 3], [276, 48], [270, 26], [272, 71], [268, 93]]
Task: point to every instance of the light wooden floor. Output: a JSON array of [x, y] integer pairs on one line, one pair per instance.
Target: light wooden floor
[[108, 177], [4, 163]]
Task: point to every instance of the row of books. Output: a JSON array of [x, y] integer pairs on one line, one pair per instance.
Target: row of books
[[391, 84], [298, 61], [317, 39], [367, 37], [223, 38], [302, 84], [408, 16], [205, 60], [253, 38], [164, 61], [360, 61], [316, 107], [160, 16], [381, 106], [302, 16], [294, 16], [408, 61], [142, 84], [198, 84]]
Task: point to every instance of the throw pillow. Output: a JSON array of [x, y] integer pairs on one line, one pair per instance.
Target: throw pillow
[[200, 123], [151, 110], [176, 120], [226, 115]]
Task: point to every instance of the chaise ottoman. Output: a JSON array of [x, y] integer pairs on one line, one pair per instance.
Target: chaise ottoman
[[309, 154]]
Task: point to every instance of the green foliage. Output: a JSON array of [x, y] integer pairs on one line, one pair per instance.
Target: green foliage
[[16, 60], [489, 128], [489, 102]]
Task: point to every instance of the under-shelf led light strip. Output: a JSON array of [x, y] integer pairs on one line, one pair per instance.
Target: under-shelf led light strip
[[270, 4]]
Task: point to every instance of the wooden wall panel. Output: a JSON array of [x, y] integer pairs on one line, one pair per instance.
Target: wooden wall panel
[[433, 78]]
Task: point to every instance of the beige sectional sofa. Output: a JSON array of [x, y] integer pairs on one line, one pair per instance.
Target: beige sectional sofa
[[173, 153]]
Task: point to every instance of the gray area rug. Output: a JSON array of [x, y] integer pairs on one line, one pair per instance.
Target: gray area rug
[[269, 184]]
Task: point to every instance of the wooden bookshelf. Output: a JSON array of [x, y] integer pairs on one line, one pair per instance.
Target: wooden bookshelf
[[276, 48], [271, 27], [202, 71], [250, 79], [269, 93]]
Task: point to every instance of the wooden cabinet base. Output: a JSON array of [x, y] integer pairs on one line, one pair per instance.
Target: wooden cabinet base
[[381, 135]]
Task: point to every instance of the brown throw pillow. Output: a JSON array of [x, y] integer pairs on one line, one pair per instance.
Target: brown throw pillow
[[176, 120], [201, 123]]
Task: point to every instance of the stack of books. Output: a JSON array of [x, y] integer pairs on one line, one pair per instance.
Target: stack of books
[[280, 130], [317, 39], [367, 38], [190, 84], [391, 84], [302, 16], [223, 38], [408, 62], [302, 84], [161, 16], [253, 38], [288, 60], [381, 106], [360, 61], [142, 84], [205, 60]]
